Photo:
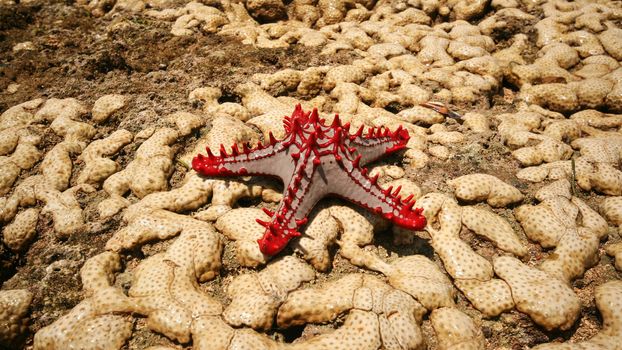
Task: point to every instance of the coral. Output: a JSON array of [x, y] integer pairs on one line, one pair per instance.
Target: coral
[[599, 176], [615, 250], [548, 301], [547, 222], [55, 172], [479, 187], [106, 105], [64, 208], [608, 303], [392, 69], [444, 137], [97, 7], [478, 123], [610, 39], [225, 131], [192, 193], [493, 227], [561, 129], [266, 10], [455, 330], [68, 108], [279, 82], [25, 155], [460, 261], [320, 233], [72, 130], [57, 166], [433, 51], [512, 125], [255, 297], [547, 150], [356, 230], [600, 149], [147, 173], [13, 317], [89, 325], [209, 97], [552, 65], [611, 208], [164, 288], [18, 143], [466, 9], [225, 194], [566, 223], [259, 102], [491, 297], [22, 230], [193, 15], [384, 314], [575, 253], [566, 98], [423, 280], [162, 224], [343, 74], [240, 225], [311, 80], [471, 272], [324, 148], [97, 167], [438, 151]]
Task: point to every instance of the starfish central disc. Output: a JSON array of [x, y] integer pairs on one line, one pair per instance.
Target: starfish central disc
[[315, 160]]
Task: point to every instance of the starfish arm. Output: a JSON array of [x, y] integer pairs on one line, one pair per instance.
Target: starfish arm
[[378, 143], [352, 183], [306, 188], [272, 159]]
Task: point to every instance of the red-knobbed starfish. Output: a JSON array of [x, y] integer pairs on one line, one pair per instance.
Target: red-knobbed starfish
[[315, 160]]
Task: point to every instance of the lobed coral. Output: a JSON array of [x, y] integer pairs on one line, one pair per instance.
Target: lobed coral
[[257, 307], [14, 316], [455, 330], [402, 58], [151, 167], [479, 187], [548, 301]]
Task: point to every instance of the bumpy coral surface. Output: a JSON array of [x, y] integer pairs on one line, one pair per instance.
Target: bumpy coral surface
[[485, 137]]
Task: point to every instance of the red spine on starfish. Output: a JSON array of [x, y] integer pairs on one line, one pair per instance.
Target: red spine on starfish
[[315, 160]]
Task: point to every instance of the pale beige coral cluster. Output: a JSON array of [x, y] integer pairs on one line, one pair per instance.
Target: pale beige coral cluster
[[576, 66], [388, 313], [51, 184]]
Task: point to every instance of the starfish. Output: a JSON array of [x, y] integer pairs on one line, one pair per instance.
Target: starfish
[[315, 160]]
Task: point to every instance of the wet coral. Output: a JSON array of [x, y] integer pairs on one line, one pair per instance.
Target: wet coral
[[97, 167], [106, 105], [548, 301], [533, 88], [479, 187], [256, 307], [147, 173], [455, 330], [89, 325], [608, 303], [13, 317]]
